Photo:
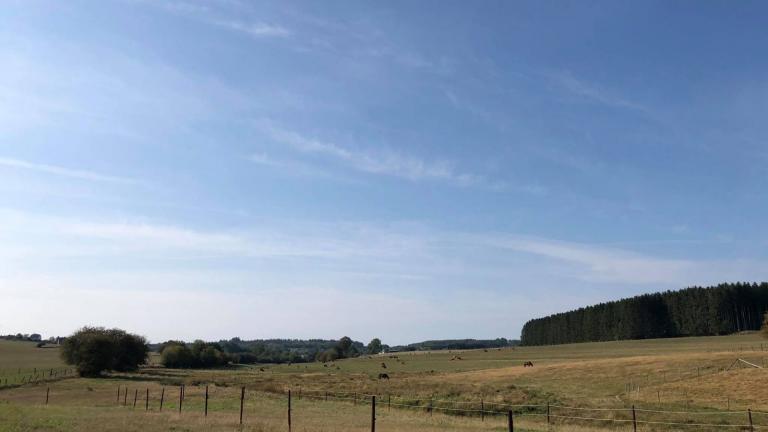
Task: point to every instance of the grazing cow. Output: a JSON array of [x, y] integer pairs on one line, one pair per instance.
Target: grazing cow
[[383, 376], [528, 364], [383, 365]]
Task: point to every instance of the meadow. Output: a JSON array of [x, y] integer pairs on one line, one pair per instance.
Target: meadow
[[694, 381]]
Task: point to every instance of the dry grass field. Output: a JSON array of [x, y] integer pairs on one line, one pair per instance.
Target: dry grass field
[[681, 375]]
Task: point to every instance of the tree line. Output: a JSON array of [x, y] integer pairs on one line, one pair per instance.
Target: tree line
[[96, 350], [695, 311], [456, 344], [200, 354]]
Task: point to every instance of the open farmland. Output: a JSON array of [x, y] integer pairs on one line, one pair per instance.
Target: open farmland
[[22, 361], [686, 374]]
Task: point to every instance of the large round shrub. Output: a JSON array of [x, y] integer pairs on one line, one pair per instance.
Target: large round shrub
[[94, 350]]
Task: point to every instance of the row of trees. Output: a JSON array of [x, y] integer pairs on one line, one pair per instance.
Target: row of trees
[[198, 354], [34, 337], [457, 344], [94, 350], [723, 309], [344, 348], [284, 350]]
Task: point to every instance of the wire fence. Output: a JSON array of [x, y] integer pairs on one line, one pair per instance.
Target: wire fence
[[174, 399], [552, 413], [14, 377]]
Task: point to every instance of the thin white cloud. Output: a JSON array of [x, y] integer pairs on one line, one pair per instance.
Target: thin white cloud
[[592, 92], [256, 29], [31, 237], [385, 162], [212, 16], [612, 265], [64, 172], [296, 168], [264, 159], [370, 248]]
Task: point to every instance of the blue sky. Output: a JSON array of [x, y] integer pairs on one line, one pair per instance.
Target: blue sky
[[374, 169]]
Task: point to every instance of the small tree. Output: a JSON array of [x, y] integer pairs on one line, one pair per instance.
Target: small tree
[[374, 347], [177, 356], [764, 329], [198, 354], [94, 350], [330, 354]]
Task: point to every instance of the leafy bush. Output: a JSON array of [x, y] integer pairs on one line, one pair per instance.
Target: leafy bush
[[177, 357], [94, 350], [199, 355]]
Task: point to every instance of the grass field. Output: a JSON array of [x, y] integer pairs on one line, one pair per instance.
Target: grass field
[[686, 374], [21, 361]]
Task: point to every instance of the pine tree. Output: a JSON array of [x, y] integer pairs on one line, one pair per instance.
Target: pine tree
[[764, 329]]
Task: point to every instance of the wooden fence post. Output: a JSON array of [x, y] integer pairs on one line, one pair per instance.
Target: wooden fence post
[[181, 397], [162, 397], [206, 401], [634, 419], [118, 394], [373, 413], [751, 426], [242, 399], [482, 410], [289, 410], [135, 396], [47, 392], [511, 421], [547, 412], [389, 402], [125, 397], [146, 401]]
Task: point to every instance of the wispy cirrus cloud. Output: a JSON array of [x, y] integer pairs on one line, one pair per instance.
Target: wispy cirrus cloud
[[595, 263], [266, 160], [255, 29], [421, 251], [382, 162], [592, 92], [296, 168], [213, 16], [65, 172]]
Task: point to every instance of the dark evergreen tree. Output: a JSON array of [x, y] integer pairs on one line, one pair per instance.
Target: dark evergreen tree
[[696, 311]]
